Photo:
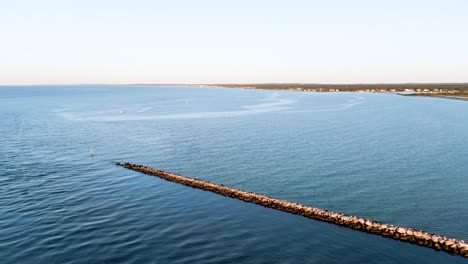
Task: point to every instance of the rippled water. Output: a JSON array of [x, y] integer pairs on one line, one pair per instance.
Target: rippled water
[[401, 160]]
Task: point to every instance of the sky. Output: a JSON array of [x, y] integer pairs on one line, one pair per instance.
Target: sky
[[232, 41]]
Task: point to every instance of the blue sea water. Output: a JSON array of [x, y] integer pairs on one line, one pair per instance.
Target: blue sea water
[[401, 160]]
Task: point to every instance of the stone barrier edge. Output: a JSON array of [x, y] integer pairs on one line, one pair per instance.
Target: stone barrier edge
[[417, 237]]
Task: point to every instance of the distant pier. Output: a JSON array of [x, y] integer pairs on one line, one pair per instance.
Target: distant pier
[[421, 238]]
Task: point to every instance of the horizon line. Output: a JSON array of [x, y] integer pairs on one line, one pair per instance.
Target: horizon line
[[241, 83]]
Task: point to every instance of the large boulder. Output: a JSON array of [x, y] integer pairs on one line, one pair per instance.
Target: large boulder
[[401, 230]]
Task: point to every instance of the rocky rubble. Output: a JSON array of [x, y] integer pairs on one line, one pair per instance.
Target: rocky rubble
[[420, 238]]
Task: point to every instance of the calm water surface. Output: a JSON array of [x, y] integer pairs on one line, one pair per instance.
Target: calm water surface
[[394, 159]]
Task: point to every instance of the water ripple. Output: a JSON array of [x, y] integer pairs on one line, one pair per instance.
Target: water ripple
[[393, 159]]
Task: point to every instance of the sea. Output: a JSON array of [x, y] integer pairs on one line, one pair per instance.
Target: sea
[[395, 159]]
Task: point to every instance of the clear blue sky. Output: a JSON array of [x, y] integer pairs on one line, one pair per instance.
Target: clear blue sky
[[237, 41]]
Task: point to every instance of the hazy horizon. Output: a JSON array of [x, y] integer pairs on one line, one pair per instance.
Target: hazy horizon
[[126, 42], [239, 83]]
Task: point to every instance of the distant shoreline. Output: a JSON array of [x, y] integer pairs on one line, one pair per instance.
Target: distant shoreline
[[452, 91], [460, 98], [458, 92]]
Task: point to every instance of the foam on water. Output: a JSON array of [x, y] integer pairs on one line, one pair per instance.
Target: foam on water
[[276, 105], [144, 109], [339, 107], [271, 104]]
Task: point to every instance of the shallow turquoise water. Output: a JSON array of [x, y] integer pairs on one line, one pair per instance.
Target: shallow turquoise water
[[401, 160]]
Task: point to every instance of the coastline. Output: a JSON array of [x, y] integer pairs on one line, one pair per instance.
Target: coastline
[[448, 91], [446, 94], [459, 98]]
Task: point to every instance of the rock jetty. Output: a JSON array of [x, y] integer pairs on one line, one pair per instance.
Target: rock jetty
[[417, 237]]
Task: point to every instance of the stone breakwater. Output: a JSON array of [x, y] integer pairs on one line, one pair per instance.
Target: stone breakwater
[[417, 237]]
